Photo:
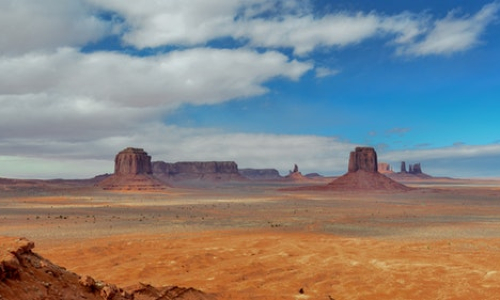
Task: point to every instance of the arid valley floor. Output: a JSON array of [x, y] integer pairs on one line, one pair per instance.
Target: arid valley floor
[[440, 240]]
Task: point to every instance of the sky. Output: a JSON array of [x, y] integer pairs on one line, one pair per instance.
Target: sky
[[265, 83]]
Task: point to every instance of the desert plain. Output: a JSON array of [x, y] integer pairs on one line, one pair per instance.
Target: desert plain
[[268, 240]]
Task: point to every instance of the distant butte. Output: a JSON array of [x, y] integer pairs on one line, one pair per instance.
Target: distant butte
[[133, 171], [414, 172], [363, 174], [296, 175]]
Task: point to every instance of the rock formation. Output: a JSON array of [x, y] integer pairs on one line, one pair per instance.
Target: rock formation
[[295, 175], [414, 172], [260, 174], [384, 168], [24, 275], [133, 161], [133, 171], [197, 170], [415, 169], [363, 158], [363, 174], [403, 167]]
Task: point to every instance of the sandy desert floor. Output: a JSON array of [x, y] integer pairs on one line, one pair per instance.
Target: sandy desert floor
[[260, 242]]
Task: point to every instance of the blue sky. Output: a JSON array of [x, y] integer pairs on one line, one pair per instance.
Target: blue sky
[[266, 83]]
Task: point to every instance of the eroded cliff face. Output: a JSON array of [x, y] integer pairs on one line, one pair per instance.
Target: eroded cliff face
[[133, 161], [199, 170]]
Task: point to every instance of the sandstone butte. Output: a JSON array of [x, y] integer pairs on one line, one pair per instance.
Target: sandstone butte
[[363, 174], [133, 171], [25, 275]]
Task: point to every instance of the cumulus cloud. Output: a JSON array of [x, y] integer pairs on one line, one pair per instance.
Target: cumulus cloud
[[453, 33], [278, 24], [27, 25], [197, 76]]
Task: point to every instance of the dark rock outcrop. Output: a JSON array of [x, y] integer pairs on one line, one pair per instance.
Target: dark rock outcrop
[[25, 275], [132, 161], [363, 158], [415, 169], [403, 167], [414, 172], [260, 174]]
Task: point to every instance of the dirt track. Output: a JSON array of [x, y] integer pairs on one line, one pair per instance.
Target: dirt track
[[260, 243]]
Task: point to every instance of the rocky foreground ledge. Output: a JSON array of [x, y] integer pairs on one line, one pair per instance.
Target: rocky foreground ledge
[[25, 275]]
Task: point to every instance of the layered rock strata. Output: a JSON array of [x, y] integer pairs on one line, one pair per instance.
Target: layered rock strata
[[197, 170]]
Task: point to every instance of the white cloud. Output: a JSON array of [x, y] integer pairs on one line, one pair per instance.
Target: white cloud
[[325, 72], [453, 34], [153, 23], [197, 22], [197, 76], [274, 24], [27, 25]]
